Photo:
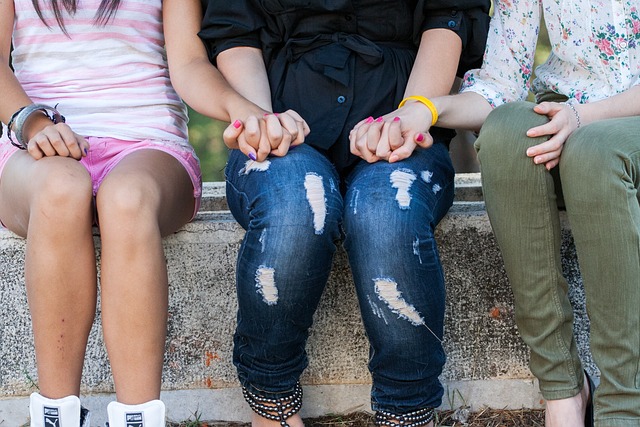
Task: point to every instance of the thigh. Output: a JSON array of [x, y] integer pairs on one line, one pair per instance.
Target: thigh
[[299, 189], [152, 181]]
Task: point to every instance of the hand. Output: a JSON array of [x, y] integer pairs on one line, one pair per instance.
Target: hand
[[394, 136], [56, 140], [562, 122], [270, 134]]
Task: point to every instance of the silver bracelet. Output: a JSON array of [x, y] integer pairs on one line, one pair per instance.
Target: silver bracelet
[[575, 113], [24, 113]]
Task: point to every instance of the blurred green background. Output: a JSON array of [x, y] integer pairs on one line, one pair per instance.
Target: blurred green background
[[206, 136]]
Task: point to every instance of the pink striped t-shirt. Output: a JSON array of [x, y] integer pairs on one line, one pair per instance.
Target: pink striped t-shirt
[[107, 80]]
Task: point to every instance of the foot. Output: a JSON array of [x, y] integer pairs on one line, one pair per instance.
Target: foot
[[569, 412], [258, 421]]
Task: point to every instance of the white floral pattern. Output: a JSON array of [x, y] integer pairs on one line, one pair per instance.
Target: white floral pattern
[[595, 50]]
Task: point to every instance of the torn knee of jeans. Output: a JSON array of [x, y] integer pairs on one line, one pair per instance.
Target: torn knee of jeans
[[387, 291], [266, 285], [252, 165], [402, 180], [317, 201]]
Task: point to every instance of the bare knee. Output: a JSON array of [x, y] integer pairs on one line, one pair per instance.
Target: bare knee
[[61, 193]]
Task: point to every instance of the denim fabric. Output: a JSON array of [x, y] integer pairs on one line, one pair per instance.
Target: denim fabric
[[598, 178], [295, 214]]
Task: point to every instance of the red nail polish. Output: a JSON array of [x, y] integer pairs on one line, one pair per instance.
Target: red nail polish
[[396, 119], [237, 124], [369, 120], [379, 119], [276, 114], [420, 137]]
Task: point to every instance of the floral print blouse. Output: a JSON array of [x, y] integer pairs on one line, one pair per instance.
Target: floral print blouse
[[595, 50]]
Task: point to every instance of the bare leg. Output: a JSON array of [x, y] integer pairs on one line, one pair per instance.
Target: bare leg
[[148, 195], [568, 412], [49, 201]]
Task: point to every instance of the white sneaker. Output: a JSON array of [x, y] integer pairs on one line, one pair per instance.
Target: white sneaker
[[149, 414], [64, 412]]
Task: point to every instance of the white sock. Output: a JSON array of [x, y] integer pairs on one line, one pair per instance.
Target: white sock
[[64, 412], [149, 414]]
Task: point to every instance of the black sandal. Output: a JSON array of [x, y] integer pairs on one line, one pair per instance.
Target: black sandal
[[279, 409]]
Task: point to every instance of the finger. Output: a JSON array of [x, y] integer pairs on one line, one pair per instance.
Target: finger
[[293, 127], [383, 149], [70, 141], [373, 134], [424, 140], [84, 144], [43, 144], [552, 163], [395, 134], [552, 144], [34, 150], [403, 152], [273, 130], [232, 133], [264, 145], [547, 157], [552, 127], [252, 131], [57, 142], [301, 123], [363, 149]]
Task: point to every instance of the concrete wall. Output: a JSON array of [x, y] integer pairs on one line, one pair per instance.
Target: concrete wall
[[487, 361]]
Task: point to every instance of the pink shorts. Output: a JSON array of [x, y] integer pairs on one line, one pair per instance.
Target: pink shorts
[[105, 153]]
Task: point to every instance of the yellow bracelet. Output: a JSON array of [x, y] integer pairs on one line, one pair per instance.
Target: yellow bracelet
[[427, 102]]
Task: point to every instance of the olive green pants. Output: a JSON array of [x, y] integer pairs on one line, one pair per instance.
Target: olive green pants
[[598, 176]]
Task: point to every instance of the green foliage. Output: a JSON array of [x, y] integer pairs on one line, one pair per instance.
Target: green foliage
[[205, 135]]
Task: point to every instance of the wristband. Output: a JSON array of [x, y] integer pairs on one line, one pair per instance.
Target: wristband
[[427, 102], [20, 117], [575, 113]]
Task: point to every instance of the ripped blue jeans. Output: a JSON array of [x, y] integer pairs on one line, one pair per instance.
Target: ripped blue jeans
[[295, 214]]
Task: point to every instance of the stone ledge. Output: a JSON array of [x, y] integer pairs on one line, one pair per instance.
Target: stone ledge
[[481, 340]]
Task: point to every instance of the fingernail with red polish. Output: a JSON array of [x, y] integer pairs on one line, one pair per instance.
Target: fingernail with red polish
[[237, 124], [252, 156], [379, 119], [420, 137], [276, 114], [369, 120], [396, 119]]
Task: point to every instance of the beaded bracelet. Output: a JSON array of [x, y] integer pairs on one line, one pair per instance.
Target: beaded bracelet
[[20, 117], [575, 113], [427, 102]]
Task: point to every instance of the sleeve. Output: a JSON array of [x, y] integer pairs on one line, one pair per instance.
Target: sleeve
[[230, 23], [467, 18], [508, 62]]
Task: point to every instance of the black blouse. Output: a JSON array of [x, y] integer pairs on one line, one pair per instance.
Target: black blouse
[[339, 61]]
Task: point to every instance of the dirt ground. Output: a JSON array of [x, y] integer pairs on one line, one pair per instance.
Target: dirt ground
[[458, 418]]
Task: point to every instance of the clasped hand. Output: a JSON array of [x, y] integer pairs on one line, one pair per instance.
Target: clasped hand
[[261, 135], [394, 136]]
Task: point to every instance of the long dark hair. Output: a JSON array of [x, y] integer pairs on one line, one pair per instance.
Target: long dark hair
[[105, 12]]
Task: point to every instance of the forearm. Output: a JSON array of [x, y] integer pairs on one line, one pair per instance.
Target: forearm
[[625, 104], [13, 96], [466, 110], [202, 86], [244, 69], [434, 70]]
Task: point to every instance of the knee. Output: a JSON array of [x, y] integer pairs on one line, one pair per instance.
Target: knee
[[503, 141], [62, 195], [129, 205]]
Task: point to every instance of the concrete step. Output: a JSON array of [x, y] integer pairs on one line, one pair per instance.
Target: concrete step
[[487, 361]]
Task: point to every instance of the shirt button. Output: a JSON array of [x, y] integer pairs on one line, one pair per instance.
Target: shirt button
[[348, 17], [451, 24], [341, 99]]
